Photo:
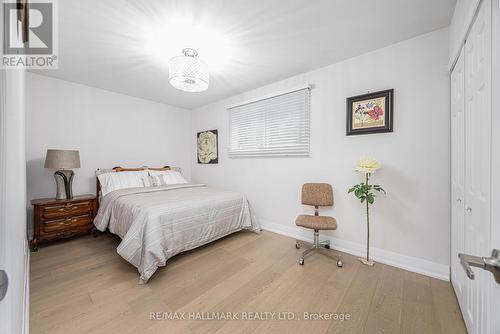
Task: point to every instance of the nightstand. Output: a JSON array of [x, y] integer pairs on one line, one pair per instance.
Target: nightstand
[[55, 219]]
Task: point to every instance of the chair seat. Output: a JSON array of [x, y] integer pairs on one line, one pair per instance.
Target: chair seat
[[316, 222]]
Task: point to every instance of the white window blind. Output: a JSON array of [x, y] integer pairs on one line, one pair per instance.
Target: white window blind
[[274, 126]]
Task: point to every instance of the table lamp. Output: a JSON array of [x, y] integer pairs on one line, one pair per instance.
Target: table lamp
[[63, 161]]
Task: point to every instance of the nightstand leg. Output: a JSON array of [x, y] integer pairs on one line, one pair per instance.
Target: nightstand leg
[[95, 232], [34, 245]]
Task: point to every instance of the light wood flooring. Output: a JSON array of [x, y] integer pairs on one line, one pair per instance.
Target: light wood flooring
[[83, 286]]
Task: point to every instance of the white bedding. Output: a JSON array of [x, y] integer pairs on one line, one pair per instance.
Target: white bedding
[[159, 222]]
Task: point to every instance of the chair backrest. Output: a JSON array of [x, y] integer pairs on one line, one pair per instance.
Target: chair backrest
[[317, 194]]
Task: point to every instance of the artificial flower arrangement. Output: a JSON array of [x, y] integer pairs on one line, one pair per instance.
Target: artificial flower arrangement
[[365, 192]]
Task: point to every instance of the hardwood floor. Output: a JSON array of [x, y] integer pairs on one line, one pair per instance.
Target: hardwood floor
[[83, 285]]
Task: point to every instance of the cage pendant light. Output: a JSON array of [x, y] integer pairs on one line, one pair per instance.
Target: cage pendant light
[[188, 73]]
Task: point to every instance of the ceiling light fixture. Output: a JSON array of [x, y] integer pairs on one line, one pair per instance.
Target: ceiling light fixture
[[188, 73]]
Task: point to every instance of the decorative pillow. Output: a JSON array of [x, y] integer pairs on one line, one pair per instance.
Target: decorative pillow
[[121, 180], [167, 177], [153, 181]]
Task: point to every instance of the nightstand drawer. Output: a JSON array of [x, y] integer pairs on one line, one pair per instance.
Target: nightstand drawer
[[66, 224], [65, 210]]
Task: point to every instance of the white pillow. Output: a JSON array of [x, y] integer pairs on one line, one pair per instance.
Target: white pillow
[[167, 177], [121, 180]]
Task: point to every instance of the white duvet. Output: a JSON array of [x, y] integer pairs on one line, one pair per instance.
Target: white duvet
[[159, 222]]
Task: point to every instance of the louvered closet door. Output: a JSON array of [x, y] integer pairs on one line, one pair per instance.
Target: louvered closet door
[[478, 165], [458, 277]]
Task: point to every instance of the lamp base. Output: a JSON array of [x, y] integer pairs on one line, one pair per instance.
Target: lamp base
[[366, 262], [64, 183]]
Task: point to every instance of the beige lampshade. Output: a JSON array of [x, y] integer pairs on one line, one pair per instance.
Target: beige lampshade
[[62, 159]]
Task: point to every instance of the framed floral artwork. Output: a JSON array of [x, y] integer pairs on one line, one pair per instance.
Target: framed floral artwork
[[207, 143], [370, 113]]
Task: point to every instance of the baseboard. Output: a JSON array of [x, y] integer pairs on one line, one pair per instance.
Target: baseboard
[[417, 265]]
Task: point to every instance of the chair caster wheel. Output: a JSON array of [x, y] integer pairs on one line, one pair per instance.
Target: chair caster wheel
[[297, 245], [340, 264], [301, 262], [327, 246]]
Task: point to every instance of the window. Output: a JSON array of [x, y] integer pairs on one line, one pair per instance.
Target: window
[[274, 126]]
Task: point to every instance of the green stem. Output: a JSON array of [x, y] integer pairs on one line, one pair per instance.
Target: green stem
[[367, 223]]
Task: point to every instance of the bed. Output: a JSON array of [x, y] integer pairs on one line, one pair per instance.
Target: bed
[[158, 221]]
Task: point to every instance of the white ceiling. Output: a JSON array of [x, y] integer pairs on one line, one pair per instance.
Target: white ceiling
[[124, 45]]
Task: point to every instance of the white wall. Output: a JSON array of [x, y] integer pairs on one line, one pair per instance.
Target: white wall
[[411, 225], [108, 129]]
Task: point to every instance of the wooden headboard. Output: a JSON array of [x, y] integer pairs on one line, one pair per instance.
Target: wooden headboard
[[123, 169]]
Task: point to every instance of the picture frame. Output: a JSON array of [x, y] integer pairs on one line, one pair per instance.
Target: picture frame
[[370, 113], [207, 147]]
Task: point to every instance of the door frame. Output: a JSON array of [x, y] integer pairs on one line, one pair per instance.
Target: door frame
[[14, 252], [495, 158], [457, 175]]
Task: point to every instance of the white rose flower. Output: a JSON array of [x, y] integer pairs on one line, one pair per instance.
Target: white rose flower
[[367, 165]]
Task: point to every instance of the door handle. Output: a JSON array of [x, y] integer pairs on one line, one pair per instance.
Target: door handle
[[4, 284], [491, 264]]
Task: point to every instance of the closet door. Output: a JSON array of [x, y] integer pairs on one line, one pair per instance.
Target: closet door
[[457, 175], [478, 67]]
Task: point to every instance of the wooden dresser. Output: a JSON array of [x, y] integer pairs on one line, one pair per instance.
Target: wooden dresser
[[56, 219]]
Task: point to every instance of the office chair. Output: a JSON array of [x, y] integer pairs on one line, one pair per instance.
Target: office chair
[[317, 194]]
